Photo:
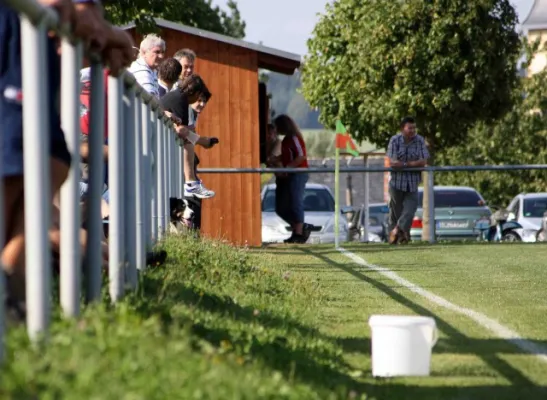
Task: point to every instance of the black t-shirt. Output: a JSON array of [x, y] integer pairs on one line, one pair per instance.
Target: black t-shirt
[[176, 103]]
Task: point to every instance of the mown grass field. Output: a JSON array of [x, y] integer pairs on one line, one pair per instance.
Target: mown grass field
[[291, 323]]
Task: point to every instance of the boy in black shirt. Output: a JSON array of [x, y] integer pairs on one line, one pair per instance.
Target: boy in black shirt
[[191, 95]]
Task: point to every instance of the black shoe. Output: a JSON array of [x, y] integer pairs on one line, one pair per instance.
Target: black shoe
[[156, 258], [300, 239], [289, 240], [306, 231]]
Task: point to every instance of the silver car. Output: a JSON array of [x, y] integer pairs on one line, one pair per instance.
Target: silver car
[[457, 208], [319, 211]]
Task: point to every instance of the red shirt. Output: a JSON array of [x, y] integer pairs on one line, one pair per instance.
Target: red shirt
[[85, 99], [291, 148]]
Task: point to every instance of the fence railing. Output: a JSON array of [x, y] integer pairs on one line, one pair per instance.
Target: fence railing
[[144, 170]]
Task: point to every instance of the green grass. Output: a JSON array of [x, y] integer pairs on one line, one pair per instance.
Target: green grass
[[506, 282], [291, 323]]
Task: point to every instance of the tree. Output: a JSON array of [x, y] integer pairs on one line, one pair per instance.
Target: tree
[[520, 137], [449, 63], [197, 13]]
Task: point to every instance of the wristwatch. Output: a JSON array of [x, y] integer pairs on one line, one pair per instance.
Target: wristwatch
[[404, 165]]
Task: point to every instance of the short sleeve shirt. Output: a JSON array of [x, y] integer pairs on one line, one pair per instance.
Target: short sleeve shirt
[[413, 150]]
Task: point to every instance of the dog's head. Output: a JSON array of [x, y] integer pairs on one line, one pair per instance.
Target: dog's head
[[180, 211]]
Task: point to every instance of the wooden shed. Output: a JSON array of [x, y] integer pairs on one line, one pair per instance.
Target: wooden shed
[[237, 114]]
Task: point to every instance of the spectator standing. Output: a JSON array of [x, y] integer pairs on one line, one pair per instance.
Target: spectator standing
[[144, 68], [293, 155], [187, 59], [406, 149]]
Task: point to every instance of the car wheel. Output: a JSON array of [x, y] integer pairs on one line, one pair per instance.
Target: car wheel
[[510, 237], [540, 236]]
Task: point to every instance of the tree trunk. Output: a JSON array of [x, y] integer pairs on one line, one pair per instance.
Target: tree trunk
[[426, 223]]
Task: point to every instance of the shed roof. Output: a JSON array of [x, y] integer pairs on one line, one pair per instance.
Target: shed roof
[[537, 17], [268, 58]]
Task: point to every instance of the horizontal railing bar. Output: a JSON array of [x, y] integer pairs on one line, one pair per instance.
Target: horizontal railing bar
[[318, 170]]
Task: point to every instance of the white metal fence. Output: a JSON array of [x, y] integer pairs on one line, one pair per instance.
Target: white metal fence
[[144, 171]]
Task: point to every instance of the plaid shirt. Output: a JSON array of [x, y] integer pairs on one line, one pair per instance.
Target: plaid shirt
[[414, 150]]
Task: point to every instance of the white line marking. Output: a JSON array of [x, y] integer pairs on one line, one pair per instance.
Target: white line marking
[[484, 321]]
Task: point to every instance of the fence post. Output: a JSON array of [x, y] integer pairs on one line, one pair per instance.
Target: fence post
[[115, 183], [366, 211], [93, 260], [432, 222], [130, 194], [141, 236], [160, 176], [148, 187], [37, 177], [166, 175], [71, 261], [155, 132], [180, 157]]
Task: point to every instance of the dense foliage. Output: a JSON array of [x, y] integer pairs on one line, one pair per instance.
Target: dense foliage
[[198, 13], [448, 63]]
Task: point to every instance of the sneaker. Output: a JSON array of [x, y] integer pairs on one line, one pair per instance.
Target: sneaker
[[198, 190]]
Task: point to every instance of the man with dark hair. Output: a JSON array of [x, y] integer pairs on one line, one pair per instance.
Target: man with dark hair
[[406, 149], [169, 72], [187, 59]]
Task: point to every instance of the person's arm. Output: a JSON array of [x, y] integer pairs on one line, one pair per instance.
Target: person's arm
[[392, 154], [424, 156]]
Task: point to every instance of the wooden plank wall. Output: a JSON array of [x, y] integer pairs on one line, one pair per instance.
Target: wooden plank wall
[[231, 73]]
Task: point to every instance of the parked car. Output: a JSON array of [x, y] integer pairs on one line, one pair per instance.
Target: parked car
[[319, 211], [457, 208], [527, 209], [377, 222]]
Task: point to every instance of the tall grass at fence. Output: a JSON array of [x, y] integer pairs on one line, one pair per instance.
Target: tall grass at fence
[[215, 323]]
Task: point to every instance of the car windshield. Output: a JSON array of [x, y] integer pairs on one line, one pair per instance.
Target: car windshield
[[454, 198], [378, 209], [315, 200], [534, 208]]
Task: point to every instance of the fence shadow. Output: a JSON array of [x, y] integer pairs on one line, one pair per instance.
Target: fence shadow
[[309, 364], [457, 342]]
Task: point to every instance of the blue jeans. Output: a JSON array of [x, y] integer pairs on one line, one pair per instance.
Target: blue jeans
[[297, 184], [283, 200]]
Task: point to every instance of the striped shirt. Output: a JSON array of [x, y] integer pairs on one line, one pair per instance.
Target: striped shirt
[[145, 76], [414, 150], [292, 147]]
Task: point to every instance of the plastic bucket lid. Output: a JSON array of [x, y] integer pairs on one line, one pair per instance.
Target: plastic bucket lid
[[400, 320]]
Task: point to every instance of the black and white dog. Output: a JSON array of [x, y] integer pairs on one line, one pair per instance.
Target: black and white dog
[[181, 214]]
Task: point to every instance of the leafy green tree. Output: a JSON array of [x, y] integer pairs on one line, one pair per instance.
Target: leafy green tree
[[449, 63], [520, 137], [198, 13]]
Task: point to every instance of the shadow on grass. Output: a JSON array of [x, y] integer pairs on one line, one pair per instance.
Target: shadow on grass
[[456, 338], [391, 390], [318, 366]]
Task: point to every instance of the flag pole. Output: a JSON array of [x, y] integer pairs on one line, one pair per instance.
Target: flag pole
[[337, 199]]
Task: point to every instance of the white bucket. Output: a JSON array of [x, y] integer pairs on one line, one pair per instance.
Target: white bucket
[[401, 345]]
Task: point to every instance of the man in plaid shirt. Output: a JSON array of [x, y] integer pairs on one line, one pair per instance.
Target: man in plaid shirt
[[406, 149]]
